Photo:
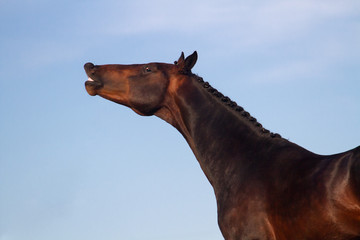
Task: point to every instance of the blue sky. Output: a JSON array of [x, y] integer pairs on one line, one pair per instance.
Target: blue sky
[[70, 165]]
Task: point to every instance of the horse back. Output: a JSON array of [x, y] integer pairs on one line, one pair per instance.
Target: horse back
[[346, 200]]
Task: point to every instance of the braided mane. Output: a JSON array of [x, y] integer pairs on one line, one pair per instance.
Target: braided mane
[[228, 102]]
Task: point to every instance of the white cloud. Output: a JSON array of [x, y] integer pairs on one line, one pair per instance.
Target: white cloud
[[321, 61], [142, 17], [255, 22], [276, 21]]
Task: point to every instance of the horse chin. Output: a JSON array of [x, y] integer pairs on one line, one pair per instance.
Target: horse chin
[[92, 86]]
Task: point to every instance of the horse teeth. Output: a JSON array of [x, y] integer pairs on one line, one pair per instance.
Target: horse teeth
[[90, 79]]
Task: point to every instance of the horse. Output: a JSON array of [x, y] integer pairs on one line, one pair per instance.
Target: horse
[[266, 187]]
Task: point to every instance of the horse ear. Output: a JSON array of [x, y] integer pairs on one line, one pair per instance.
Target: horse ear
[[181, 60], [190, 61], [187, 64]]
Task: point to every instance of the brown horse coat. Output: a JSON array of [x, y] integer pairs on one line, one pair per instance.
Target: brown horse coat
[[266, 187]]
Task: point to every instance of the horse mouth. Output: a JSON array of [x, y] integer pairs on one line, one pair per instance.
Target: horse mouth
[[92, 86]]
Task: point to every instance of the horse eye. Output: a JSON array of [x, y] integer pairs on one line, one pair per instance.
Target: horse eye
[[147, 69]]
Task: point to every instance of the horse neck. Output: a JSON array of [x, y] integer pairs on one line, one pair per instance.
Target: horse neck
[[223, 140]]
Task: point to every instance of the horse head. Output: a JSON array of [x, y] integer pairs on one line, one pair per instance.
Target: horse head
[[142, 87]]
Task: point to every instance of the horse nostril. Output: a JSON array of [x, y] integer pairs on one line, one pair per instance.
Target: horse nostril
[[88, 66]]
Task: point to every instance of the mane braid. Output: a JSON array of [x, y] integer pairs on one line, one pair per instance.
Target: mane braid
[[233, 105]]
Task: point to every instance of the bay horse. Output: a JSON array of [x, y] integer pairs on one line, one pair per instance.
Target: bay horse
[[266, 187]]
